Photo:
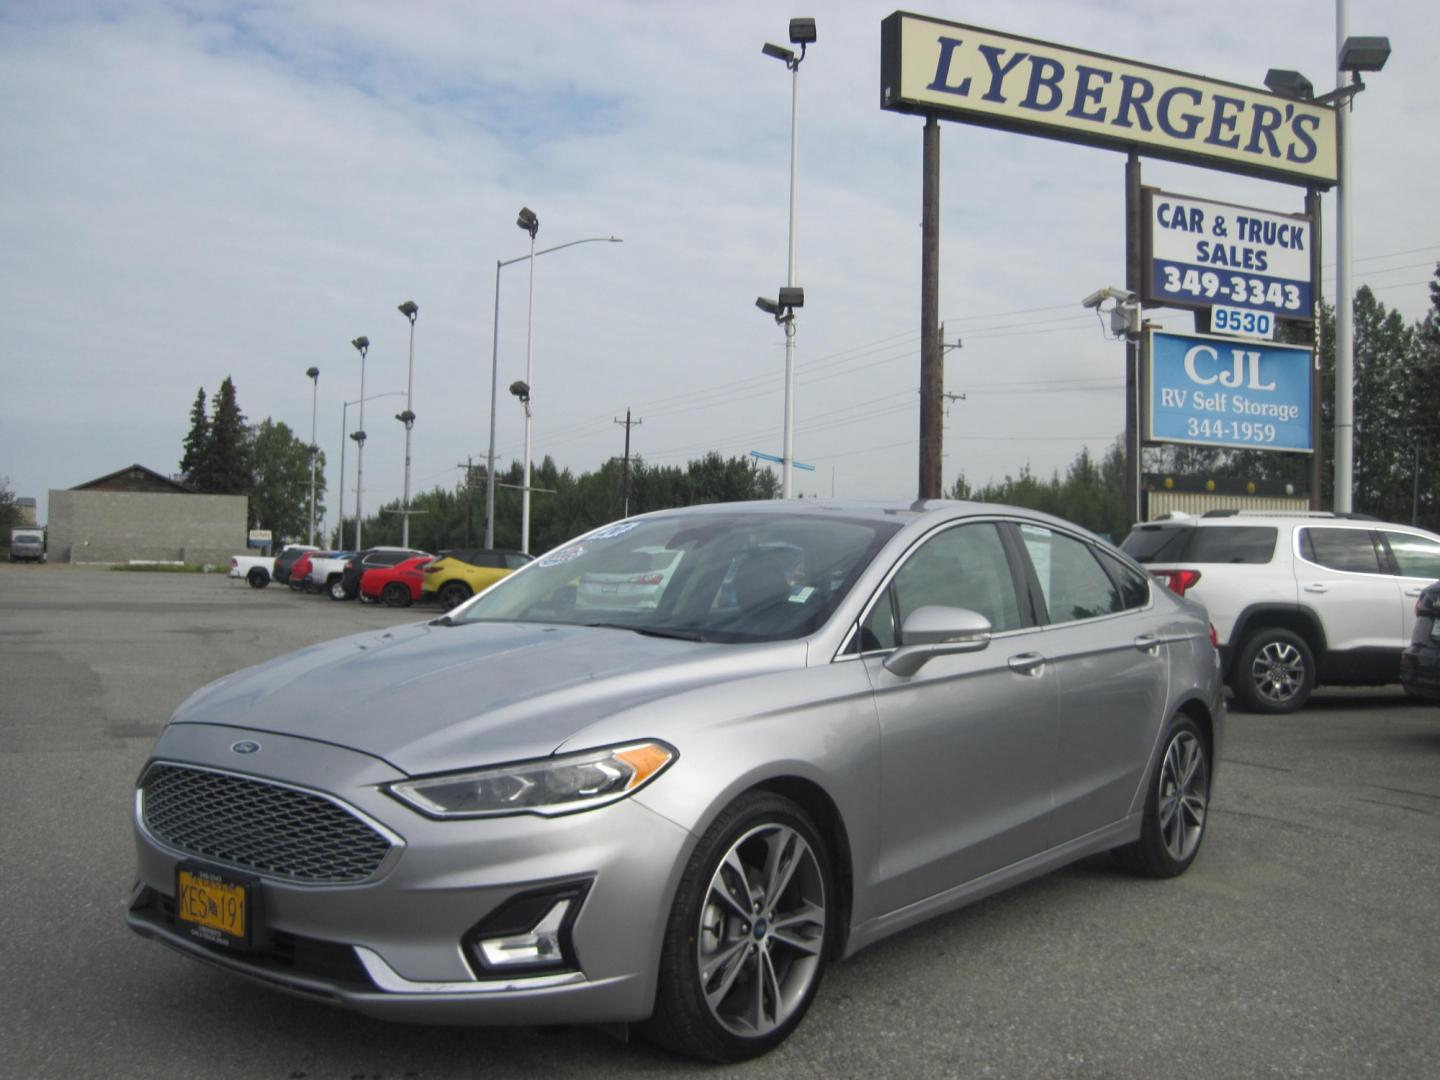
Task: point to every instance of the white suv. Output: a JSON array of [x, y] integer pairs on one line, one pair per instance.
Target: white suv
[[1296, 599]]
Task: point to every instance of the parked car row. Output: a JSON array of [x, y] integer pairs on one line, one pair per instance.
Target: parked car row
[[393, 575], [1300, 600]]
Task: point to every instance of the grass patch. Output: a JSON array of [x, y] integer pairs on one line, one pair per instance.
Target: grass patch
[[167, 568]]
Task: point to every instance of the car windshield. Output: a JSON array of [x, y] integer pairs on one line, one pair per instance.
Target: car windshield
[[703, 576]]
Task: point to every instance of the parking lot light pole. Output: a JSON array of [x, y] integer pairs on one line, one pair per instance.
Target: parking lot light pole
[[344, 422], [314, 374], [495, 367], [410, 310], [362, 346]]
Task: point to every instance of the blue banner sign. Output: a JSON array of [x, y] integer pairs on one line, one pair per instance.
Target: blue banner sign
[[1202, 253], [1213, 391]]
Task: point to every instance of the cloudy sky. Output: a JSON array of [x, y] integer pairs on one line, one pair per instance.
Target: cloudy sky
[[196, 189]]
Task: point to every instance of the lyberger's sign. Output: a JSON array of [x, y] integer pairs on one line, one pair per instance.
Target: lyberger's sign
[[981, 77]]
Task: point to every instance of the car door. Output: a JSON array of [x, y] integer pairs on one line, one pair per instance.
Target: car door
[[1416, 559], [1111, 663], [967, 741], [1342, 580]]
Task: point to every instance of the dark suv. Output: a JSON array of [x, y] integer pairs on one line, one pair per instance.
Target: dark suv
[[1296, 599]]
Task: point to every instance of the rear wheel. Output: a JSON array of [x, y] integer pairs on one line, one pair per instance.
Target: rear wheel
[[1274, 671], [257, 578], [1176, 806], [337, 589], [748, 936], [454, 593], [396, 595]]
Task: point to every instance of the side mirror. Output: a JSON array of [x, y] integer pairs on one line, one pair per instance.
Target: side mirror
[[934, 631]]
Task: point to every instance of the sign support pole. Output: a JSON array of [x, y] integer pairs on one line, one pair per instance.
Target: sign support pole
[[1317, 335], [1133, 274], [932, 383]]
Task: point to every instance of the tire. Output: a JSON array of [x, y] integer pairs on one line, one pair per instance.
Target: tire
[[1274, 671], [722, 966], [257, 578], [296, 586], [336, 589], [1177, 806], [396, 595], [454, 593]]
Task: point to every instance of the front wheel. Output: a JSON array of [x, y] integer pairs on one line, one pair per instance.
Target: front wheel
[[1274, 671], [454, 593], [1176, 806], [748, 935]]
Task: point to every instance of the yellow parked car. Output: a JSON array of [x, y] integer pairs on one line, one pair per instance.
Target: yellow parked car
[[458, 575]]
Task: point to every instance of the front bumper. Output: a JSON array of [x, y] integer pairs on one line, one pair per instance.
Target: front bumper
[[392, 946]]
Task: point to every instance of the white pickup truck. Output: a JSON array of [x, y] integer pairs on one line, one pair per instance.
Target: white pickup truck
[[328, 575], [257, 570]]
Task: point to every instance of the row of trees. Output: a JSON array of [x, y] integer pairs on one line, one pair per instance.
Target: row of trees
[[223, 455], [1396, 440], [562, 504]]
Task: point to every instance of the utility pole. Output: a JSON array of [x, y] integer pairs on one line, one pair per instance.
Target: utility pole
[[628, 425], [469, 466]]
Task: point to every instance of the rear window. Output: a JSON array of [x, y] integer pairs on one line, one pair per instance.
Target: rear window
[[1253, 544]]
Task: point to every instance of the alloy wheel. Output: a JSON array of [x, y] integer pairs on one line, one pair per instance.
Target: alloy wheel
[[762, 930], [1278, 671], [1184, 794]]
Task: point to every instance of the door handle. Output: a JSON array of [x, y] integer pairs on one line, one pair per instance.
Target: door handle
[[1027, 663], [1414, 592], [1148, 643], [1316, 586]]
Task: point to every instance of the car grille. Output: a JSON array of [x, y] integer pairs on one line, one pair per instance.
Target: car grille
[[254, 825]]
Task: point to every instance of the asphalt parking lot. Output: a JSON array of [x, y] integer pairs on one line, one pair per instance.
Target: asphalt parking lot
[[1303, 943]]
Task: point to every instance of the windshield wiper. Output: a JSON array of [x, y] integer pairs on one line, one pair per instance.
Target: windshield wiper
[[650, 631], [444, 620]]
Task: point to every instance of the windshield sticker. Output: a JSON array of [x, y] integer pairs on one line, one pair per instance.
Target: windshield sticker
[[799, 596], [563, 555], [612, 531]]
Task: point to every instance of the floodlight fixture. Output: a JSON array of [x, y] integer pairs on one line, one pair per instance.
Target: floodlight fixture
[[1289, 84], [792, 296], [521, 389], [410, 309], [770, 307], [313, 373], [1364, 54], [407, 418], [528, 221], [362, 343], [802, 31], [778, 52]]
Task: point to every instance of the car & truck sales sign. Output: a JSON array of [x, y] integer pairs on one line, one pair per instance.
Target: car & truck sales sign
[[930, 66], [1201, 254], [1214, 391]]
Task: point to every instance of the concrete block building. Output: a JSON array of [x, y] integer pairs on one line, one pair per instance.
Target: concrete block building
[[136, 513]]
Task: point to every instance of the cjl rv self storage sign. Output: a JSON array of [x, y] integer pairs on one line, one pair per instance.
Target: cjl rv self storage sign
[[1214, 391]]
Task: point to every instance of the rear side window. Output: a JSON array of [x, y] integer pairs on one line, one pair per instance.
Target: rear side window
[[1253, 544], [1416, 556], [1075, 585], [1351, 550], [1134, 586]]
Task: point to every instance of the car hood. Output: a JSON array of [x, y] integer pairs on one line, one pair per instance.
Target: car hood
[[430, 697]]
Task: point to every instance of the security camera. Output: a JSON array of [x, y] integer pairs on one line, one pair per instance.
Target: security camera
[[1110, 292]]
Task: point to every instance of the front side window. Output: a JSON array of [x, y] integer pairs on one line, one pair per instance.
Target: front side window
[[1074, 583], [1416, 556], [1350, 550], [963, 567]]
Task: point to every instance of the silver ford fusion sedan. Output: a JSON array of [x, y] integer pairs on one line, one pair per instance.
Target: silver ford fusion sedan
[[833, 722]]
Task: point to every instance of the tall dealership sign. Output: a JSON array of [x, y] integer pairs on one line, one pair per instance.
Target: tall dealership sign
[[996, 80], [1245, 268]]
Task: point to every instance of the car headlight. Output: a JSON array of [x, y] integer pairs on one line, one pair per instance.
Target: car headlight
[[557, 785]]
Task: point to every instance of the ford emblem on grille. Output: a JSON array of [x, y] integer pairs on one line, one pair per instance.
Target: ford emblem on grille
[[245, 747]]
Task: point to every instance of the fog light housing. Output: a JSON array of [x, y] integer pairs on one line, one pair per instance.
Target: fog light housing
[[529, 934]]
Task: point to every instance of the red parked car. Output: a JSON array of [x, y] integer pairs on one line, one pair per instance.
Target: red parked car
[[398, 585]]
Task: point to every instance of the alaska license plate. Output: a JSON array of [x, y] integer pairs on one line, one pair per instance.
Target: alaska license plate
[[214, 906]]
